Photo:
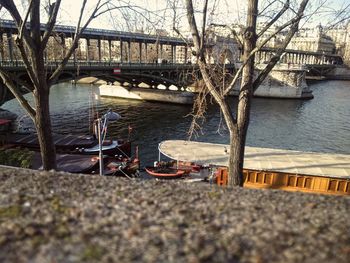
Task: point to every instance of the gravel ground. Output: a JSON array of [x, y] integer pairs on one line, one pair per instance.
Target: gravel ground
[[58, 217]]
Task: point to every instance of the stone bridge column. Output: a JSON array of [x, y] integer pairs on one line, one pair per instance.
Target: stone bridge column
[[121, 50], [171, 54], [146, 53], [99, 49], [63, 44], [75, 51], [129, 51], [110, 49], [2, 53], [10, 46], [161, 52], [88, 49], [140, 52], [174, 54]]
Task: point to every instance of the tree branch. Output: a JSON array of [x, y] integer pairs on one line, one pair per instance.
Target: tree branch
[[205, 7], [20, 31], [256, 49], [233, 32], [51, 22], [193, 25], [272, 21], [73, 46], [77, 34], [204, 71], [294, 28], [10, 6], [27, 64], [7, 80]]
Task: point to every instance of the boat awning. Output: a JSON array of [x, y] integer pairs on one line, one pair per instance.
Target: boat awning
[[262, 159]]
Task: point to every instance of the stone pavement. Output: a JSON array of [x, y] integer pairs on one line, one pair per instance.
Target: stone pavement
[[59, 217]]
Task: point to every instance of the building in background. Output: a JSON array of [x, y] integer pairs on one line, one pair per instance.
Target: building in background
[[314, 40]]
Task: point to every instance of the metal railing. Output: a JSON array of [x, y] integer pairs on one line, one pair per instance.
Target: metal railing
[[10, 24], [84, 63]]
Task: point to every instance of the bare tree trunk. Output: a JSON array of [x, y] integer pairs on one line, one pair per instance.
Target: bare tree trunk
[[33, 45], [235, 162], [43, 126], [238, 138], [44, 130]]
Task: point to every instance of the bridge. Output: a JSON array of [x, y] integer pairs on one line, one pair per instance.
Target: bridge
[[101, 45], [135, 58], [128, 74], [316, 64]]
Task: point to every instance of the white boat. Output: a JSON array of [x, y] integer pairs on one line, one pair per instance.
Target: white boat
[[94, 150]]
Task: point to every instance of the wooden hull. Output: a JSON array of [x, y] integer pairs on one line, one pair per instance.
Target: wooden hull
[[165, 173], [289, 182], [326, 173], [189, 167], [117, 167]]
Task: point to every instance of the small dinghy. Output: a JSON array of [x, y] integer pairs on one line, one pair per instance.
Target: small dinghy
[[165, 172], [128, 167], [188, 167]]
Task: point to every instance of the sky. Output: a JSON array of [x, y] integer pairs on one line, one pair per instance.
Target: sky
[[161, 13]]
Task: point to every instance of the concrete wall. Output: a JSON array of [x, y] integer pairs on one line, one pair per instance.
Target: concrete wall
[[282, 83]]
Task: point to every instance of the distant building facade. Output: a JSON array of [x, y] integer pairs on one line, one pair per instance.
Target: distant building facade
[[314, 40]]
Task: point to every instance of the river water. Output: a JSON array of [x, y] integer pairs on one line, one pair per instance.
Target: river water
[[321, 124]]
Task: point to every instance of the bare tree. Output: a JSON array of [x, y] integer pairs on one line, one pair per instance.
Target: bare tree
[[32, 44], [238, 124]]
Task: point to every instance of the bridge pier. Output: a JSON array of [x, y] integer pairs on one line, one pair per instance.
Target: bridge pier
[[282, 82]]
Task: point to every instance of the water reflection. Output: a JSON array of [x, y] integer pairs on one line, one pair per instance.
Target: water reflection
[[321, 124]]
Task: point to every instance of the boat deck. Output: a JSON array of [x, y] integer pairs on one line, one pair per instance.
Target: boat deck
[[261, 159], [267, 168], [63, 141]]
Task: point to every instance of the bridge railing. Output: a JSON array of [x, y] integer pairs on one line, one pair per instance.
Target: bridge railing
[[10, 24], [93, 63]]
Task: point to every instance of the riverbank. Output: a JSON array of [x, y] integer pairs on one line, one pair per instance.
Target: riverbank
[[46, 216]]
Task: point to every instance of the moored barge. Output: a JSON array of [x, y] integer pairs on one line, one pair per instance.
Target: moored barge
[[325, 173]]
